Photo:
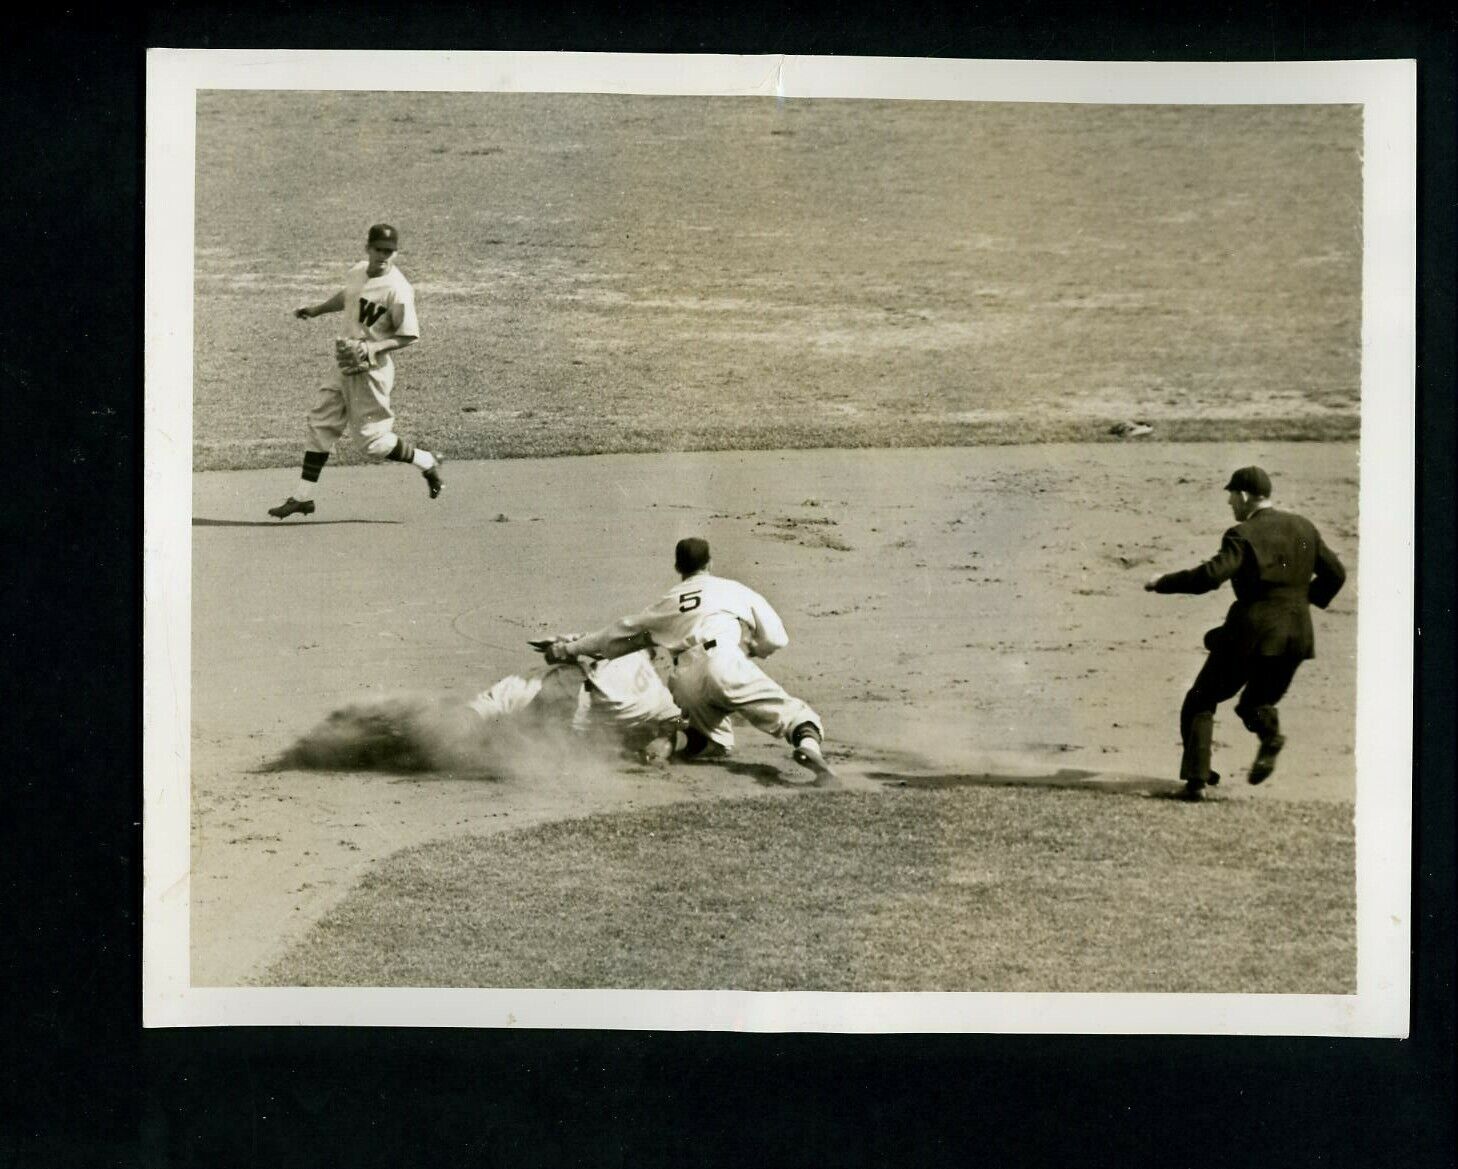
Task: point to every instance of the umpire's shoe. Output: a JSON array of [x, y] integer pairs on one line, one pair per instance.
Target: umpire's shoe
[[291, 505], [433, 479], [1194, 789], [1265, 760]]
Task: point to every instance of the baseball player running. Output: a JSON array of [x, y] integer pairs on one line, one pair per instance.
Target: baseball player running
[[712, 626], [380, 308], [1278, 566]]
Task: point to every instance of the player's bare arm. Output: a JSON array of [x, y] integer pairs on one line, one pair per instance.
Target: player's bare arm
[[335, 304], [391, 344]]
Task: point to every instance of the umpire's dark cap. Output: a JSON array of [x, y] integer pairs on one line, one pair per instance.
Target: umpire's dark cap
[[383, 235], [1251, 480], [690, 555]]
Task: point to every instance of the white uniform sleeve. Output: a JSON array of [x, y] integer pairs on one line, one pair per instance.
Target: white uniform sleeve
[[767, 634], [354, 281], [626, 634], [402, 312]]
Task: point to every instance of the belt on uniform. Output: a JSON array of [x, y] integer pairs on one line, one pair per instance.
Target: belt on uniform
[[704, 645]]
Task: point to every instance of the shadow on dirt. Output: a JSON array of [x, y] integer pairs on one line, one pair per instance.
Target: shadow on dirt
[[404, 770], [1142, 785], [199, 522], [415, 737], [764, 774]]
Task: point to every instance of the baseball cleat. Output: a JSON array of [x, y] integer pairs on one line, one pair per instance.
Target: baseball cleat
[[697, 747], [1213, 778], [433, 479], [808, 755], [291, 505], [1194, 791], [1265, 760]]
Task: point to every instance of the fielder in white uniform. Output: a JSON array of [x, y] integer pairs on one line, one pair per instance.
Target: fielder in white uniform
[[712, 627], [379, 307]]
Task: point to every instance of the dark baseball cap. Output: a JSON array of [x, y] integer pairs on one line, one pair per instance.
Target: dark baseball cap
[[690, 555], [383, 235], [1251, 480]]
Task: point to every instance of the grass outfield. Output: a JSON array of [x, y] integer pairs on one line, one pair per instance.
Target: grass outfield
[[973, 888], [600, 273]]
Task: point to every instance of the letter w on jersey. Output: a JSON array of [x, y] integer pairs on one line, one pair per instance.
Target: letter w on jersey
[[369, 312]]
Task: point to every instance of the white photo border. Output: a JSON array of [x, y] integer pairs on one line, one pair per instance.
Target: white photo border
[[1387, 91]]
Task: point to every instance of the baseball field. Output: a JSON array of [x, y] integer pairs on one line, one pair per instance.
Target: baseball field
[[876, 353]]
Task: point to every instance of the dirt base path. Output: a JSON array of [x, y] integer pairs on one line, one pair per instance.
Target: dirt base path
[[954, 614]]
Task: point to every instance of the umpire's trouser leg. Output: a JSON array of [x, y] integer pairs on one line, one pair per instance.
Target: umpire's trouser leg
[[1220, 678], [1270, 678]]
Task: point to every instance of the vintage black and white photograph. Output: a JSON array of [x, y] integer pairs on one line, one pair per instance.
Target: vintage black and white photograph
[[936, 535]]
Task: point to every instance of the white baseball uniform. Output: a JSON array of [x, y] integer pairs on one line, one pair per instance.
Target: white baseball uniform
[[376, 308], [712, 625], [627, 693], [624, 694]]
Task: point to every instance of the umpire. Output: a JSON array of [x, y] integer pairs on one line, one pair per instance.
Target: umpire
[[1278, 567]]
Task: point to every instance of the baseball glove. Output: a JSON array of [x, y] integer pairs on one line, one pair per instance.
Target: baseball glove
[[353, 356], [554, 649]]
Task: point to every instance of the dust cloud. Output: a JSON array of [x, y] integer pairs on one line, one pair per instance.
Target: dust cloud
[[412, 734]]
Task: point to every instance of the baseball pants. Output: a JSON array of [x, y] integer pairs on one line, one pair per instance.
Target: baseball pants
[[627, 692], [710, 685], [1264, 680], [357, 405]]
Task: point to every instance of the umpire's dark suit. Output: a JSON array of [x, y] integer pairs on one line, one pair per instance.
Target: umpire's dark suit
[[1278, 566]]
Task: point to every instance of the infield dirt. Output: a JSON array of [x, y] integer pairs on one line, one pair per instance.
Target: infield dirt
[[959, 614]]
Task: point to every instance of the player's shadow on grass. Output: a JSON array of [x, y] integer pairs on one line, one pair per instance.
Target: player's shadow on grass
[[199, 522]]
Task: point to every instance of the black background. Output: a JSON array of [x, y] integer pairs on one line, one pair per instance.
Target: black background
[[84, 1085]]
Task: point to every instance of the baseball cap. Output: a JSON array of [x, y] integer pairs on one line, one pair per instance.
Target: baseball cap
[[383, 234], [690, 555], [1251, 480]]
